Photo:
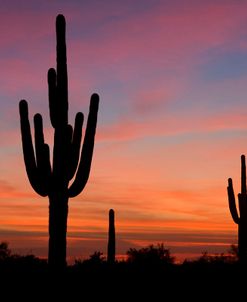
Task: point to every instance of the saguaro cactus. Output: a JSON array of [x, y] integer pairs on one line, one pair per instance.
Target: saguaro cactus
[[68, 161], [240, 218], [111, 238]]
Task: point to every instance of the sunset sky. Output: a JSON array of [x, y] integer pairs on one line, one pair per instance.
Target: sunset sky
[[172, 80]]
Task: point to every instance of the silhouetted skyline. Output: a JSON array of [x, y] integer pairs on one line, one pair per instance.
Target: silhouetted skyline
[[172, 80]]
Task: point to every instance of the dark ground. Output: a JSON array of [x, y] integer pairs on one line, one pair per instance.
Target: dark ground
[[30, 279]]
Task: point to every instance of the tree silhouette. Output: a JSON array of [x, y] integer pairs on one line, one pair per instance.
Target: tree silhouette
[[111, 251], [221, 258], [151, 255], [5, 251], [240, 218], [233, 251], [53, 181]]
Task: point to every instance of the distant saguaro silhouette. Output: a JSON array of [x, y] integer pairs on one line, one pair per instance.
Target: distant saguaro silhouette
[[111, 238], [68, 161], [241, 218]]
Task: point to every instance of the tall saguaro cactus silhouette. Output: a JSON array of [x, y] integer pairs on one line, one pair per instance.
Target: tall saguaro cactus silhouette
[[68, 161], [111, 238], [240, 218]]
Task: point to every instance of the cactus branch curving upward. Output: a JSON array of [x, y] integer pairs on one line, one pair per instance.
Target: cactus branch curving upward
[[240, 217]]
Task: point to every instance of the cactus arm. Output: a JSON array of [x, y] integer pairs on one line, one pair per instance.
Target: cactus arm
[[243, 175], [67, 151], [38, 133], [42, 154], [75, 145], [87, 149], [62, 77], [52, 95], [39, 142], [69, 134], [28, 150], [232, 203], [46, 163]]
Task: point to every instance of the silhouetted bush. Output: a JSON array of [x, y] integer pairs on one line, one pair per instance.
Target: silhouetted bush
[[11, 263], [94, 259], [5, 252], [233, 252], [151, 255], [216, 258], [149, 270]]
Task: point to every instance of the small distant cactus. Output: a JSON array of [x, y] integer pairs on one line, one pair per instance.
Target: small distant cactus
[[240, 217], [53, 181], [111, 238]]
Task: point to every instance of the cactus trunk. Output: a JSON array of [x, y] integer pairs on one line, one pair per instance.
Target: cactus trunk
[[240, 217], [68, 162], [242, 229], [111, 238], [58, 214]]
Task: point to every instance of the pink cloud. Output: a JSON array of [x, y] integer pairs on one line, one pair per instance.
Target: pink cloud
[[18, 75], [130, 129], [133, 49], [8, 192], [164, 38], [18, 29]]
